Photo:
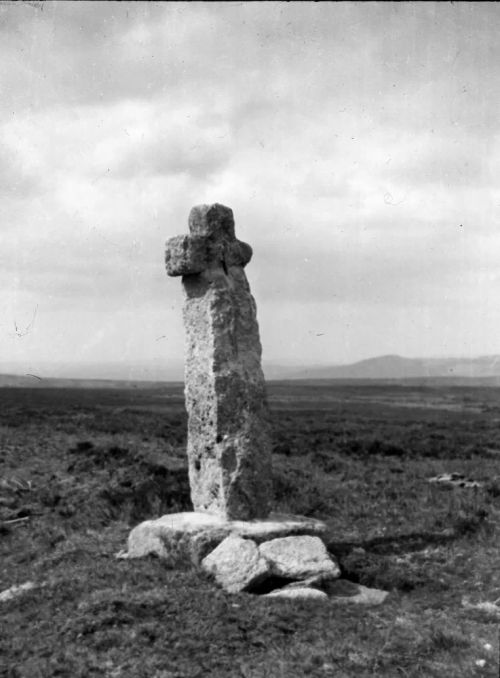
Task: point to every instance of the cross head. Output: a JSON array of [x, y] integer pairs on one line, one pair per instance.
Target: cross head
[[211, 243]]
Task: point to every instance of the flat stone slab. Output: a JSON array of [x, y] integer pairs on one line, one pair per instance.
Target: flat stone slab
[[299, 557], [277, 525], [340, 591], [298, 593], [236, 564], [174, 534]]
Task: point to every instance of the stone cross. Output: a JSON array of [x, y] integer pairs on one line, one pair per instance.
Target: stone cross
[[229, 450]]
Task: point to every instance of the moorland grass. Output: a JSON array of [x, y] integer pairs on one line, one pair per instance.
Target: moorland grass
[[80, 467]]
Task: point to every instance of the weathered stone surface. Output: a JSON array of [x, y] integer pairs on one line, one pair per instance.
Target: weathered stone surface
[[195, 533], [338, 591], [277, 525], [203, 543], [165, 536], [237, 564], [299, 557], [185, 255], [298, 593], [344, 591], [229, 451]]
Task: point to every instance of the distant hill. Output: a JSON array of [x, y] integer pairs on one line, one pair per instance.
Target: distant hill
[[396, 367], [121, 371], [485, 369], [32, 381]]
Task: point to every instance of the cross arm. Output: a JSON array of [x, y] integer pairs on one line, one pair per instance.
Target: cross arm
[[186, 255]]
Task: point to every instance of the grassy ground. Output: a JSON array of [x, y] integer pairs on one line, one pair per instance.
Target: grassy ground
[[78, 468]]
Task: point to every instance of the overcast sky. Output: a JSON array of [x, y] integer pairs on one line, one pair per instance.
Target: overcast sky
[[357, 144]]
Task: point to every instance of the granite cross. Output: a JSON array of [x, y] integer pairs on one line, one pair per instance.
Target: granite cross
[[229, 449]]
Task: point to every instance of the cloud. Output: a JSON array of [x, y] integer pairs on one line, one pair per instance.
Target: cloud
[[19, 177], [190, 146], [356, 144], [374, 57], [407, 270], [456, 162], [122, 140]]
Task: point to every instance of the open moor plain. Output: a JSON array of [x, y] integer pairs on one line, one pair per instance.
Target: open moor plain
[[80, 467]]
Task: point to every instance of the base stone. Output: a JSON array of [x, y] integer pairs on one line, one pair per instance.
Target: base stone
[[236, 564], [283, 552], [177, 535], [239, 564], [299, 558]]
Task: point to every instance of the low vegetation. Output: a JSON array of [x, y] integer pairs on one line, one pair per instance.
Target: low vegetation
[[80, 467]]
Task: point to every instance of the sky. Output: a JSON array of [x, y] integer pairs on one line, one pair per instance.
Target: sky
[[358, 145]]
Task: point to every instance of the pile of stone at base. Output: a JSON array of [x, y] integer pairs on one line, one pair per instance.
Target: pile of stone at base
[[280, 556]]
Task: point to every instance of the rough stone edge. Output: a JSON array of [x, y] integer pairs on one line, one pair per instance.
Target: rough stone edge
[[329, 569], [224, 565]]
